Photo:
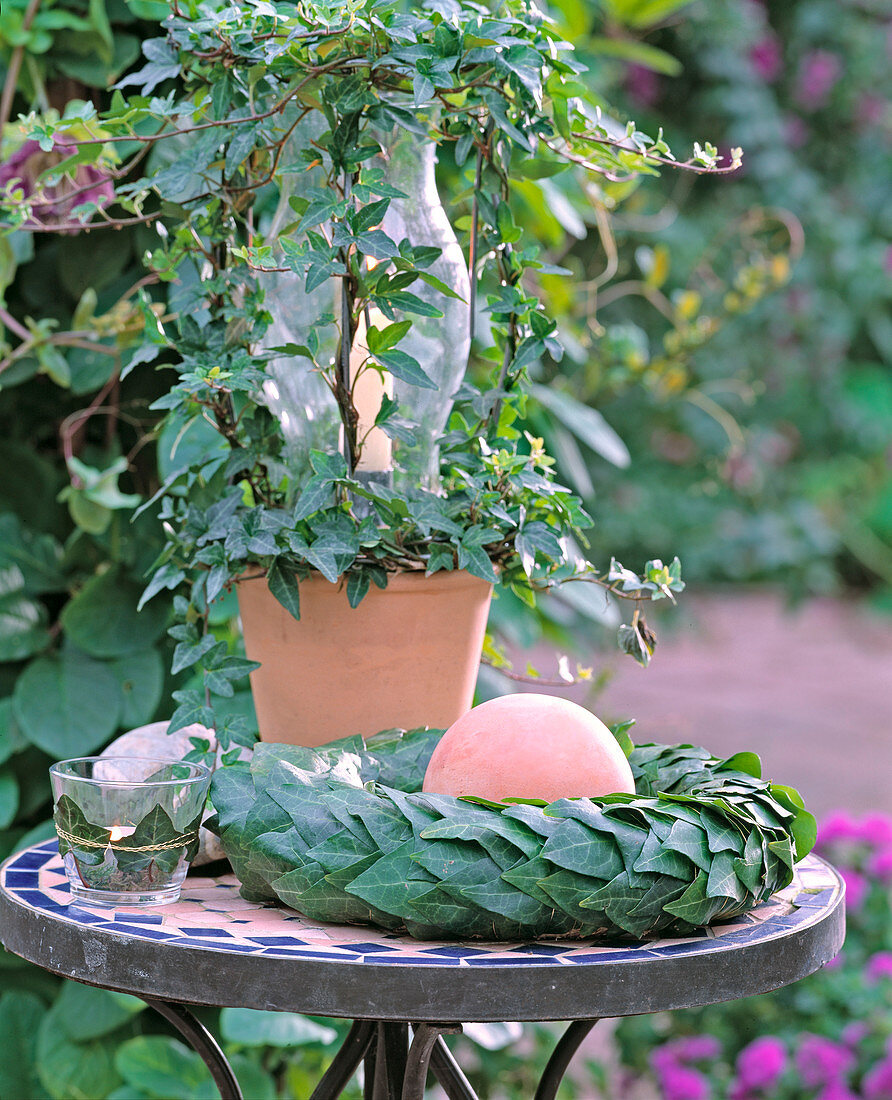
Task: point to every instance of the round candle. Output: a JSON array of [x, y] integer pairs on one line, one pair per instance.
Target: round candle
[[528, 746]]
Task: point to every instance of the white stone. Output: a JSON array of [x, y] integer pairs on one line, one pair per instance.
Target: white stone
[[154, 740]]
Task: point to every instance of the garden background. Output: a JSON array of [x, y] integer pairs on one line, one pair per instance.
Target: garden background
[[733, 337]]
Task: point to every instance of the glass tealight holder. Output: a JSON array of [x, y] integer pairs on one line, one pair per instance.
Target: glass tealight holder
[[128, 826]]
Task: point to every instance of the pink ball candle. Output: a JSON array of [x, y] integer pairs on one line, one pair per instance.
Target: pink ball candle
[[528, 746]]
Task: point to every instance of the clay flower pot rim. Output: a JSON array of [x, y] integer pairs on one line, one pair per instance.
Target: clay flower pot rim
[[400, 579]]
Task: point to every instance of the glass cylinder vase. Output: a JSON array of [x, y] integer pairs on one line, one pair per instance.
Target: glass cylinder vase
[[296, 393]]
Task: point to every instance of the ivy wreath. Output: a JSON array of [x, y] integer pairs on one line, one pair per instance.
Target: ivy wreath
[[345, 834]]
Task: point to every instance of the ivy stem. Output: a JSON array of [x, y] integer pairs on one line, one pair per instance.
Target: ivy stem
[[342, 382], [472, 257], [80, 874], [12, 324]]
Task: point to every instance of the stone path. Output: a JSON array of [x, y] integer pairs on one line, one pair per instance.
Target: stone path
[[809, 690]]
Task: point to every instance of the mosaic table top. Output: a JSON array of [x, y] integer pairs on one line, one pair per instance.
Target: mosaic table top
[[212, 947], [211, 916]]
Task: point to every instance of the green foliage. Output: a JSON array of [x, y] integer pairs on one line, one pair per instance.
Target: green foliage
[[325, 832], [759, 454]]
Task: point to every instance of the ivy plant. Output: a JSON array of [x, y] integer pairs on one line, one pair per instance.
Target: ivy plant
[[224, 91]]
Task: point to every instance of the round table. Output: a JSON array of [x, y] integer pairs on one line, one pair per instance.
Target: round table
[[214, 948]]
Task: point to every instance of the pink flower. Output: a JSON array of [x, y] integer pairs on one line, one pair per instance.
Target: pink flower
[[876, 830], [54, 202], [856, 887], [836, 1090], [820, 1061], [840, 825], [887, 262], [877, 1083], [761, 1063], [853, 1034], [696, 1048], [880, 865], [796, 131], [818, 73], [766, 58], [871, 110], [681, 1083], [879, 966]]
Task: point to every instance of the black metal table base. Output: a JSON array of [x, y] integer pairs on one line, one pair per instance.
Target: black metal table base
[[394, 1067]]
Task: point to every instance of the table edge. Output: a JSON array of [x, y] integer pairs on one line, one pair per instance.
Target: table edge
[[430, 992]]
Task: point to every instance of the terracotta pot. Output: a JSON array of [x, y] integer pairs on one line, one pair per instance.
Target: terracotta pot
[[406, 657]]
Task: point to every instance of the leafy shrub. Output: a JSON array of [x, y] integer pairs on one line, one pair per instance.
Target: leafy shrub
[[760, 452]]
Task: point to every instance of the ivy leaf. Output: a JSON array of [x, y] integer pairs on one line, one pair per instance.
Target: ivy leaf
[[192, 710], [154, 830], [388, 337], [317, 493], [537, 537], [329, 464], [402, 366], [620, 731], [476, 561], [358, 582], [638, 641], [441, 557], [526, 64], [187, 654], [406, 301], [283, 584], [70, 819]]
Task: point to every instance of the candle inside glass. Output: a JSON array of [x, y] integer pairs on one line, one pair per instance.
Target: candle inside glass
[[370, 385], [144, 861]]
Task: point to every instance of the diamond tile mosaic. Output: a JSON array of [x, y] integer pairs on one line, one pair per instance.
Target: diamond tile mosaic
[[211, 916]]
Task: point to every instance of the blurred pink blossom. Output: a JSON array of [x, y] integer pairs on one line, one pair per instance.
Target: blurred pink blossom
[[838, 826], [876, 830], [877, 1083], [887, 262], [695, 1048], [821, 1061], [856, 887], [871, 109], [796, 131], [837, 1090], [679, 1082], [878, 966], [818, 73], [766, 58], [853, 1034], [89, 183], [880, 865], [760, 1064]]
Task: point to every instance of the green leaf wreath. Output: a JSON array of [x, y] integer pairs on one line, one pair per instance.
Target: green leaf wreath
[[343, 833]]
